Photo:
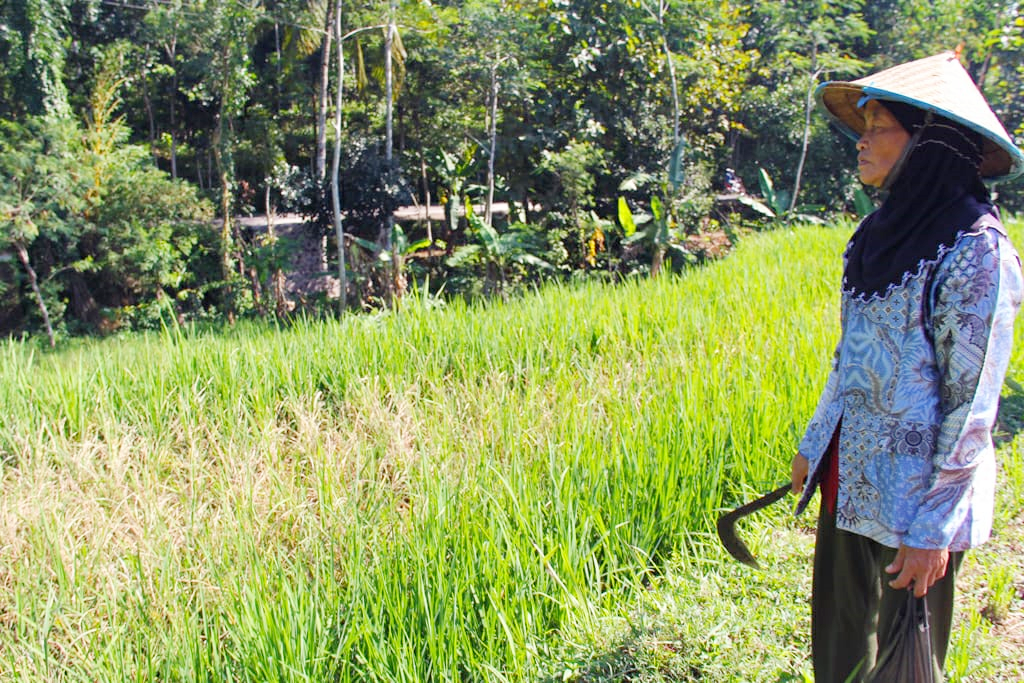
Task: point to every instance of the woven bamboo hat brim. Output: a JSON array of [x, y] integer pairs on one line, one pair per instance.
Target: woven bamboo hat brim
[[939, 84]]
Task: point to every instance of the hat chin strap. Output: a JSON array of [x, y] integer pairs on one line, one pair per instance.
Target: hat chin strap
[[894, 172]]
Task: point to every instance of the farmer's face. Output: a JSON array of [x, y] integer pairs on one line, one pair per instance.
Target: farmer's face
[[881, 145]]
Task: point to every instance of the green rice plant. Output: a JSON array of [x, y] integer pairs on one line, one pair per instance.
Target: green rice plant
[[961, 663], [529, 471], [1002, 590], [456, 493]]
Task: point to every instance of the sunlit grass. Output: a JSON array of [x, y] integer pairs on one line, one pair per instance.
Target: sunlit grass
[[432, 494]]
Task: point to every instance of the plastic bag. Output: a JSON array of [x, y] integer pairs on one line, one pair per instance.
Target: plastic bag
[[907, 657]]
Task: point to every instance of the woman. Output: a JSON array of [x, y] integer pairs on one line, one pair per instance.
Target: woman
[[900, 442]]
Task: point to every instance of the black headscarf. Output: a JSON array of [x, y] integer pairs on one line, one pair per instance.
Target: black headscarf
[[934, 193]]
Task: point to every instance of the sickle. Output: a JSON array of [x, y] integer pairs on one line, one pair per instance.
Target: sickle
[[727, 525]]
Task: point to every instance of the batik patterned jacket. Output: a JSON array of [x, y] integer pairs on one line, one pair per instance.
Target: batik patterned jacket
[[915, 386]]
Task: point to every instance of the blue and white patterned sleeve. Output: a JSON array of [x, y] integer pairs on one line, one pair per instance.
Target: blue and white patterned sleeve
[[819, 431], [975, 296]]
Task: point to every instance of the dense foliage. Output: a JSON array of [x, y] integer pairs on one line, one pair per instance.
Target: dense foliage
[[135, 134]]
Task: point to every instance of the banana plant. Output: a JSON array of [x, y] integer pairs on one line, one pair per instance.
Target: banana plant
[[776, 203], [394, 259], [659, 236], [773, 204], [862, 203], [453, 172], [498, 251], [401, 247]]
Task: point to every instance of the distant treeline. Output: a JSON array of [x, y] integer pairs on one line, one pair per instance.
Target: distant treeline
[[133, 133]]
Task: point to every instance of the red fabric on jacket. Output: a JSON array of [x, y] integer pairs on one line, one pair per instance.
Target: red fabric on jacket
[[830, 480]]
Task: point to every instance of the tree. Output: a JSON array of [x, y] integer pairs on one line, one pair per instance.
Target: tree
[[390, 75], [496, 34], [163, 22], [93, 223], [912, 29], [821, 56], [657, 9], [574, 167], [614, 67], [222, 34], [999, 63], [32, 34], [392, 44], [802, 42], [37, 190], [140, 226], [485, 58]]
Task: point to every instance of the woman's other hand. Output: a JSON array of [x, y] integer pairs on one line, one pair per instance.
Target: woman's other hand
[[918, 566], [799, 472]]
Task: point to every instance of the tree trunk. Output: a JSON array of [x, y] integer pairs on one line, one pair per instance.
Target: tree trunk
[[389, 90], [493, 131], [34, 281], [225, 209], [451, 218], [172, 57], [277, 54], [675, 87], [174, 139], [808, 106], [257, 291], [271, 212], [276, 273], [803, 148], [983, 69], [658, 15], [147, 103], [389, 132], [339, 228], [320, 163], [657, 260], [426, 197], [395, 281]]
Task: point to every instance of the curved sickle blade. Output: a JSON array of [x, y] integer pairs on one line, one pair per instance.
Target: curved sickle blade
[[727, 525]]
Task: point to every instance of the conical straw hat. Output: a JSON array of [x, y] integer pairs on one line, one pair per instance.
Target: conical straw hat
[[939, 84]]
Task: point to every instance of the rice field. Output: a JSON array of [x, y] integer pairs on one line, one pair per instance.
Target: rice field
[[441, 493]]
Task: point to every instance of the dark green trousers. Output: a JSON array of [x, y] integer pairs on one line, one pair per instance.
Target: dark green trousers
[[852, 605]]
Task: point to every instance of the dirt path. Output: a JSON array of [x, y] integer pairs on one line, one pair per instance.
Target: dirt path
[[402, 213]]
